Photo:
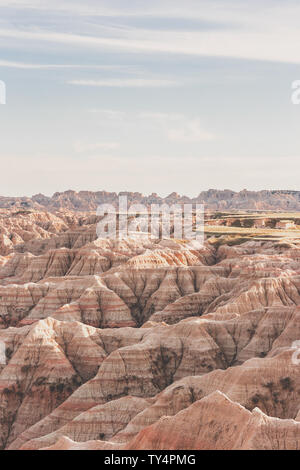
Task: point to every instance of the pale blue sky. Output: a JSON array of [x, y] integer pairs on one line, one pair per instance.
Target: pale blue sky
[[149, 95]]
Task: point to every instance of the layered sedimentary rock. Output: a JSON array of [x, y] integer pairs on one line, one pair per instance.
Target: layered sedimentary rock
[[133, 344], [215, 422], [176, 366]]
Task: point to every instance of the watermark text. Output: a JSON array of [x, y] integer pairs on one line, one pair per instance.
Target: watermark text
[[178, 221]]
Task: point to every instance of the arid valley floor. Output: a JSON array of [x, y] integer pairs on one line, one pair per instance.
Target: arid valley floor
[[139, 344]]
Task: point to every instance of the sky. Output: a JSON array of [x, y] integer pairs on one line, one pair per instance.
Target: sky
[[149, 96]]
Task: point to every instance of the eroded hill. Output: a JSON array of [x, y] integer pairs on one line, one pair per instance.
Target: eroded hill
[[141, 344]]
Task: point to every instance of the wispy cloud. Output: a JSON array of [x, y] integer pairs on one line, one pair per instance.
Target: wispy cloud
[[193, 106], [236, 28], [159, 116], [180, 128], [110, 114], [23, 65], [126, 83], [89, 147], [174, 127], [237, 11], [243, 44], [189, 131]]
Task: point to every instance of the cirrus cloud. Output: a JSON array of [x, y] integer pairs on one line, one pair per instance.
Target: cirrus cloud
[[126, 83]]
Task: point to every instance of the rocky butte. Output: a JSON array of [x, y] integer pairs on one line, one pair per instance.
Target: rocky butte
[[149, 344], [213, 199]]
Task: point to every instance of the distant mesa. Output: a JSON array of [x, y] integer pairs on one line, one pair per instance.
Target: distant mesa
[[214, 199]]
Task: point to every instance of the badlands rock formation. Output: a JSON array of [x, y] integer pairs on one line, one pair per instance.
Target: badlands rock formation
[[140, 344], [214, 199]]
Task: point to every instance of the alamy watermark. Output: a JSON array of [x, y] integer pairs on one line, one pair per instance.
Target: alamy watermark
[[295, 97], [2, 92], [2, 353], [296, 353], [178, 221]]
